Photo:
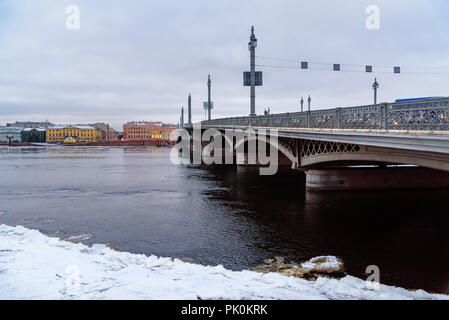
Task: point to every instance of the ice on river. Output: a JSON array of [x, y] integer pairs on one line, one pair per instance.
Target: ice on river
[[35, 266]]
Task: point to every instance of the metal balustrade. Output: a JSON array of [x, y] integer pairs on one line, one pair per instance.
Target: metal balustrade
[[432, 114]]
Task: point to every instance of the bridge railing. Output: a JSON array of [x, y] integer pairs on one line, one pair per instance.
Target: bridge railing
[[432, 114]]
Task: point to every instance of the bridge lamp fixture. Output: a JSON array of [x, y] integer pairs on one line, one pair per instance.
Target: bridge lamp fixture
[[253, 41]]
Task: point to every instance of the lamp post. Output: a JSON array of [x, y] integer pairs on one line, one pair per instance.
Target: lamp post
[[252, 45], [308, 113], [208, 98], [182, 117], [189, 110], [375, 87]]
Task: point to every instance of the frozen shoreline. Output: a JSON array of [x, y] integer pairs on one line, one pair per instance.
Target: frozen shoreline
[[35, 266]]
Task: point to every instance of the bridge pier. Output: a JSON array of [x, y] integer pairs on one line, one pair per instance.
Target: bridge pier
[[336, 179]]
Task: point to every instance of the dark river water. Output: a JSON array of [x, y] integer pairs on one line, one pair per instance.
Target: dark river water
[[136, 200]]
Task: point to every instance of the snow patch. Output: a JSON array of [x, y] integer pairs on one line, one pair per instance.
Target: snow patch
[[35, 266]]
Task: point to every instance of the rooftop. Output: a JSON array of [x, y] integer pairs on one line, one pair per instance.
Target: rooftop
[[144, 124], [10, 129], [66, 126], [30, 129]]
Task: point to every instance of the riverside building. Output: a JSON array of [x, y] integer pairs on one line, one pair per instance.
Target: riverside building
[[144, 130], [34, 135], [13, 133], [79, 133]]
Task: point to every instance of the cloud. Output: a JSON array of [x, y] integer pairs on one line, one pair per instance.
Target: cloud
[[139, 60]]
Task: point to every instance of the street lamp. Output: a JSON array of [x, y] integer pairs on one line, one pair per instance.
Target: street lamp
[[252, 45], [375, 87]]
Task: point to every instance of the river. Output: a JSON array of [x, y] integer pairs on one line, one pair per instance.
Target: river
[[136, 200]]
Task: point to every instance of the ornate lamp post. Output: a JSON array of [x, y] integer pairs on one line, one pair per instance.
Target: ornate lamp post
[[252, 45], [208, 98], [375, 87]]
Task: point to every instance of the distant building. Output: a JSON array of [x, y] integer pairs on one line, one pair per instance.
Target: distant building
[[34, 135], [79, 133], [30, 124], [144, 130], [13, 133], [109, 133], [112, 135]]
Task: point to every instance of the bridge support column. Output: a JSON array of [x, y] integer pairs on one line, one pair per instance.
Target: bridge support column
[[375, 178]]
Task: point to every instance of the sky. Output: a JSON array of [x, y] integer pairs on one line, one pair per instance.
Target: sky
[[139, 60]]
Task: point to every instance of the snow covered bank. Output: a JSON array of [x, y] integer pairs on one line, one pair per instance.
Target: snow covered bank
[[34, 266]]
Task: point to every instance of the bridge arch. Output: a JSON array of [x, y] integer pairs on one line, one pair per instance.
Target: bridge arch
[[283, 148], [356, 154]]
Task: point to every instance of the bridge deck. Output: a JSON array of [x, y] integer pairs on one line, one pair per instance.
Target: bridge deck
[[426, 141]]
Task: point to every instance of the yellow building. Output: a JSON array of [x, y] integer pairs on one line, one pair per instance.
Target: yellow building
[[79, 133]]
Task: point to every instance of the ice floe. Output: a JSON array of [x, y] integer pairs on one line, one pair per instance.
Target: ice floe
[[79, 237], [325, 266]]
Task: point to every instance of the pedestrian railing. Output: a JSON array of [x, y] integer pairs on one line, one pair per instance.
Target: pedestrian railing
[[432, 114]]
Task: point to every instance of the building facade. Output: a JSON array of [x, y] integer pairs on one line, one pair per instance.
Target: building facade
[[79, 133], [30, 124], [143, 130], [13, 133], [34, 135]]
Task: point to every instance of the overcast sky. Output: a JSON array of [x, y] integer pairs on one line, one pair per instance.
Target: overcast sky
[[138, 60]]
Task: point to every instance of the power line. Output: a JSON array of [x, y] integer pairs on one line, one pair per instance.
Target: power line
[[368, 68], [352, 71]]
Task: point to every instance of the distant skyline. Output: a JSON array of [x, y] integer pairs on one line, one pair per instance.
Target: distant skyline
[[140, 60]]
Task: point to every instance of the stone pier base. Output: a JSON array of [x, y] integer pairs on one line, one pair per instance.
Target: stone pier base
[[376, 178]]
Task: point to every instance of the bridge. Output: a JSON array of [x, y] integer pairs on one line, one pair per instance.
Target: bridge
[[397, 145], [326, 144]]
